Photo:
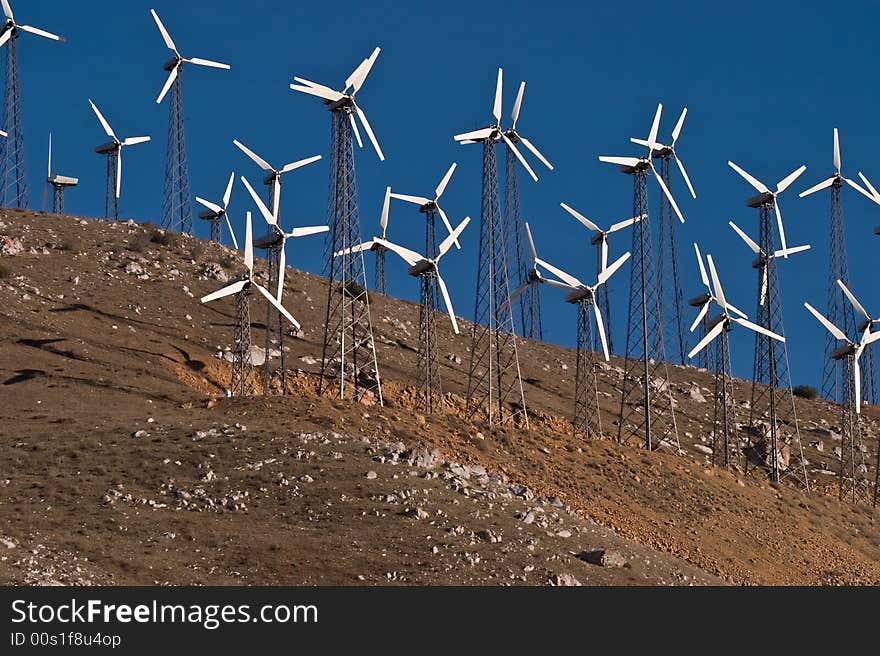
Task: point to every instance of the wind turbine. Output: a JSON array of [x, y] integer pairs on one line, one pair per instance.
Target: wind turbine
[[704, 300], [762, 261], [273, 175], [14, 192], [176, 205], [719, 326], [431, 206], [636, 163], [215, 211], [113, 151], [767, 197], [345, 99], [495, 132], [514, 136], [661, 151], [535, 277], [373, 245], [59, 183], [837, 178]]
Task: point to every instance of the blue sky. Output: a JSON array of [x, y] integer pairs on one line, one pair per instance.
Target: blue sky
[[764, 84]]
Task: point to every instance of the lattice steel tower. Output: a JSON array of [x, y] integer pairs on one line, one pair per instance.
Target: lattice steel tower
[[529, 305], [669, 291], [14, 175], [646, 407], [243, 382]]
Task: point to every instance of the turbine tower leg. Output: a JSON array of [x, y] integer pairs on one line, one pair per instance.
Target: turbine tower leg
[[273, 319], [111, 205], [530, 300], [12, 168], [725, 444], [215, 230], [242, 378], [429, 373], [853, 473], [494, 379], [587, 421], [58, 199], [176, 203], [668, 281], [379, 283], [348, 360], [775, 441], [646, 408]]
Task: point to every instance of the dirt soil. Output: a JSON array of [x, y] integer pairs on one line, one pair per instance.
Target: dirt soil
[[123, 461]]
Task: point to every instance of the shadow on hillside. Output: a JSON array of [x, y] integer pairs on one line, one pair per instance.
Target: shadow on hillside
[[24, 375], [82, 307], [47, 345]]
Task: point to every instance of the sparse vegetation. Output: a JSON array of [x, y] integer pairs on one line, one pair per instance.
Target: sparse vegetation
[[163, 237], [806, 392], [197, 250], [139, 242], [4, 272]]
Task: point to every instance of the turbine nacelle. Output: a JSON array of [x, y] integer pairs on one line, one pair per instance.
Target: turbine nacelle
[[108, 147], [578, 295], [765, 198]]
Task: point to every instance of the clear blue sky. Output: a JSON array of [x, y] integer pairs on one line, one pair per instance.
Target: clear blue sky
[[764, 82]]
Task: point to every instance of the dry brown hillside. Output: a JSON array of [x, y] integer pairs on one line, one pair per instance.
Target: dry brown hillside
[[123, 462]]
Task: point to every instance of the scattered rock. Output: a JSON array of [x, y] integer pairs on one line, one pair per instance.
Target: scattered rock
[[139, 434], [604, 558], [702, 448], [566, 580], [214, 271], [10, 245], [371, 475]]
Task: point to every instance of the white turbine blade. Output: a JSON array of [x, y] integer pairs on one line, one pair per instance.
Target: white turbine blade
[[559, 273], [655, 127], [274, 301], [852, 299], [517, 104], [870, 338], [522, 160], [207, 62], [313, 85], [580, 217], [299, 164], [857, 376], [332, 96], [357, 78], [365, 246], [282, 265], [369, 129], [448, 302], [357, 133], [102, 120], [764, 285], [687, 180], [757, 184], [448, 225], [386, 206], [452, 238], [211, 206], [870, 187], [118, 173], [49, 174], [730, 308], [748, 240], [818, 187], [134, 141], [263, 164], [620, 161], [410, 257], [830, 327], [757, 328], [231, 231], [5, 37], [165, 35], [444, 182], [855, 186], [417, 200], [600, 327], [476, 135], [716, 282], [171, 77], [781, 227], [677, 129], [2, 133], [532, 250], [307, 231], [702, 313], [39, 32], [667, 192], [603, 245], [267, 215], [791, 177], [249, 244], [228, 193], [276, 198], [703, 343], [836, 151], [528, 144], [703, 276], [792, 250], [496, 109], [229, 290], [515, 294], [620, 225], [609, 271], [7, 10], [560, 285]]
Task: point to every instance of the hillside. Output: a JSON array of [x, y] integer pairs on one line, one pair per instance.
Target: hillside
[[124, 463]]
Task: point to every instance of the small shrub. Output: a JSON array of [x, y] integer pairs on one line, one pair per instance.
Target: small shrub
[[163, 237], [4, 272], [198, 249], [70, 245], [139, 242], [806, 392], [227, 261]]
